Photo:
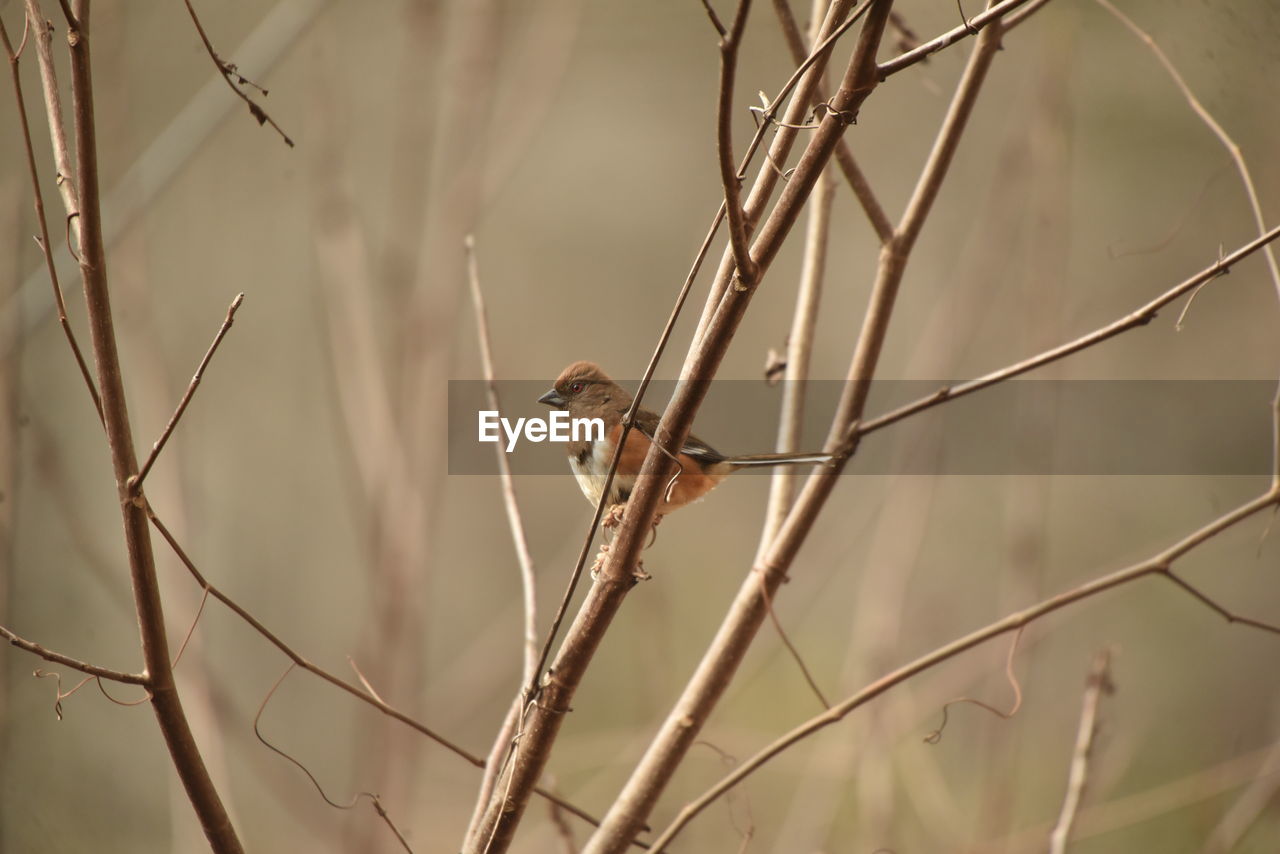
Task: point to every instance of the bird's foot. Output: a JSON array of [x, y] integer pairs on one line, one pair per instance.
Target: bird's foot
[[598, 563], [613, 516]]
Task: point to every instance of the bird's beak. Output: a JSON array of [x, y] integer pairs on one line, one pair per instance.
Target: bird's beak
[[553, 398]]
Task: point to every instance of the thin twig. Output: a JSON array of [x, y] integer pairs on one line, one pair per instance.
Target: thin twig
[[1156, 565], [500, 753], [364, 680], [38, 199], [496, 760], [1015, 18], [799, 350], [729, 44], [1226, 614], [518, 537], [715, 19], [65, 178], [1141, 316], [135, 483], [800, 87], [843, 154], [1099, 682], [791, 648], [1232, 147], [73, 663], [971, 27], [191, 630], [563, 831], [227, 70]]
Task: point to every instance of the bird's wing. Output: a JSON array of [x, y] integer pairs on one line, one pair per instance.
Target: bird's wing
[[647, 423]]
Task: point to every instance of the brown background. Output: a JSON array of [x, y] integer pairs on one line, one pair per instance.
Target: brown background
[[577, 141]]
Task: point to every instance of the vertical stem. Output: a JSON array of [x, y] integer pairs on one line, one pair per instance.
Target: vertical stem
[[93, 270], [1098, 684], [799, 349], [730, 45]]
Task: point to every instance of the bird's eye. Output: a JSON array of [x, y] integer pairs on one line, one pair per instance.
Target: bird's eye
[[575, 387]]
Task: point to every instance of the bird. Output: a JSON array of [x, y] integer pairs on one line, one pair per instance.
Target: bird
[[586, 391]]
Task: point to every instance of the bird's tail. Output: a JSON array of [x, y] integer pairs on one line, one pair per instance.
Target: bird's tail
[[747, 460]]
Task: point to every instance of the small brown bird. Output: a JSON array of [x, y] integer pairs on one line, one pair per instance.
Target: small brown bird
[[587, 392]]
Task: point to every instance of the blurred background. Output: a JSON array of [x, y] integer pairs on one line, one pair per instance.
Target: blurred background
[[309, 478]]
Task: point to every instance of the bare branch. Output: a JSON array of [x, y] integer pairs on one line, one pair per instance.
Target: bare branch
[[494, 763], [715, 19], [843, 153], [1099, 682], [970, 27], [1156, 565], [38, 198], [731, 182], [799, 350], [1208, 602], [1139, 317], [191, 630], [1232, 147], [791, 648], [74, 663], [229, 71], [135, 483], [65, 180], [504, 471], [800, 87], [165, 700]]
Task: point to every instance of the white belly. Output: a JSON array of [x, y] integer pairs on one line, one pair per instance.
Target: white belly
[[593, 484]]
